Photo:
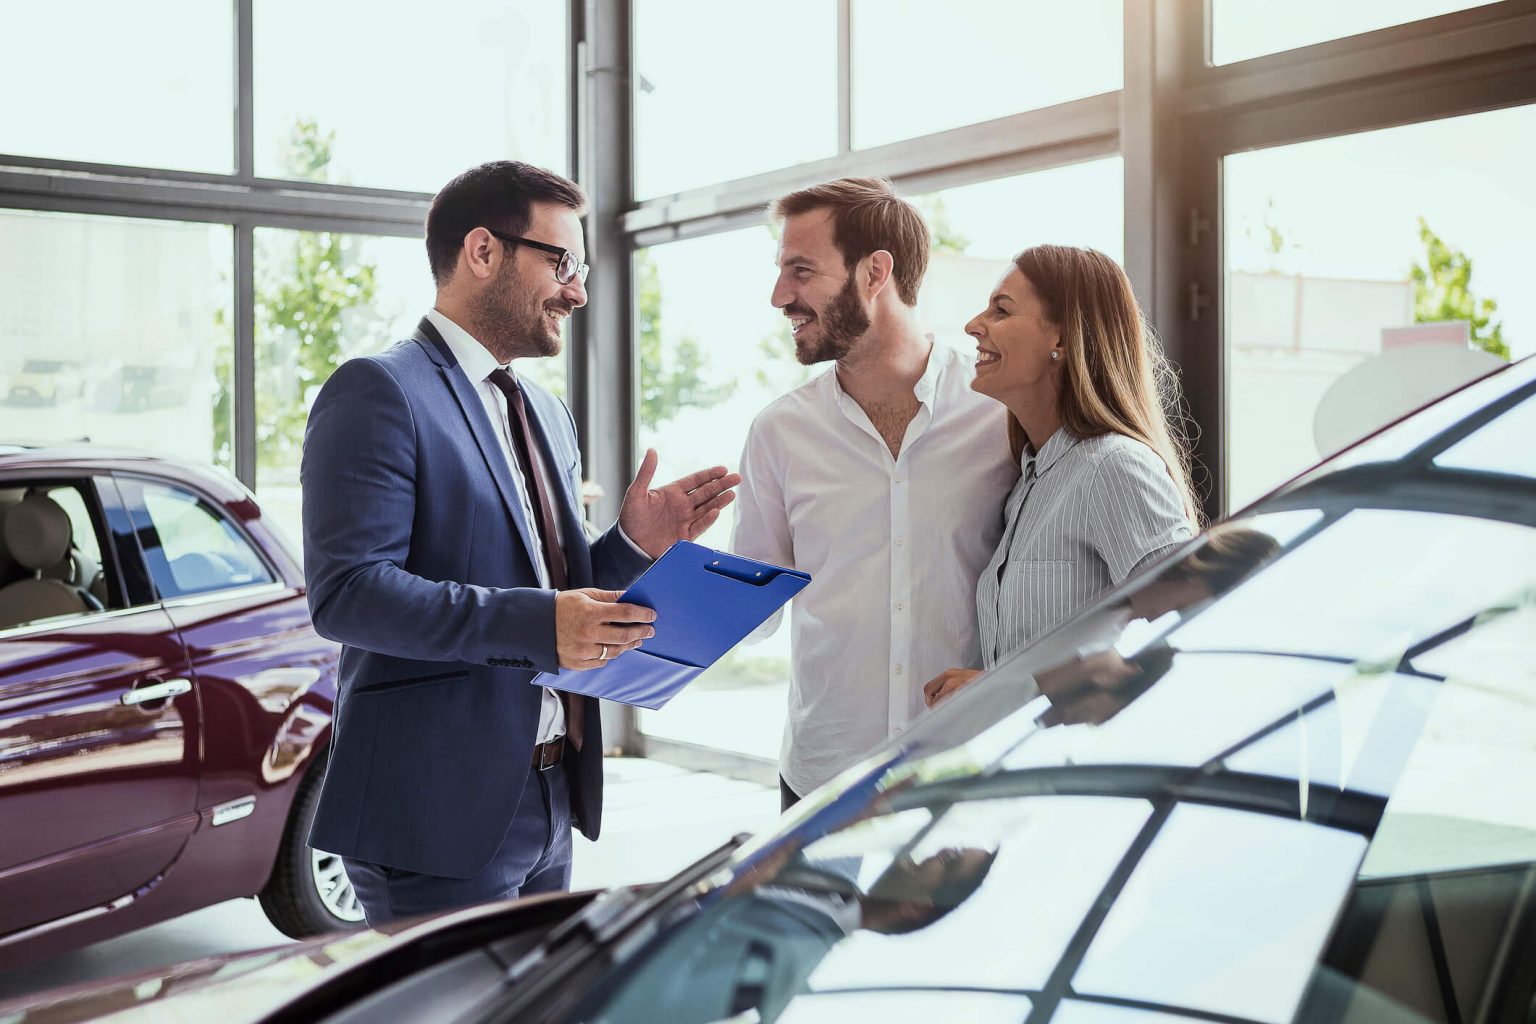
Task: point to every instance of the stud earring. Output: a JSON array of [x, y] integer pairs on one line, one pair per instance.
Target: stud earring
[[1055, 355]]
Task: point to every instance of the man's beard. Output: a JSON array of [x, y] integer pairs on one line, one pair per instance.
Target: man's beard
[[842, 324], [509, 324]]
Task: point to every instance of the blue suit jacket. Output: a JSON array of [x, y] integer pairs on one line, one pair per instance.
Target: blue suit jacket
[[419, 561]]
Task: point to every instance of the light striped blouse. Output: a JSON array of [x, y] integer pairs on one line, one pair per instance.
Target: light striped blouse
[[1084, 515]]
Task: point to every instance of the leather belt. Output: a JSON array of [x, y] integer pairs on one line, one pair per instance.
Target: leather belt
[[547, 755]]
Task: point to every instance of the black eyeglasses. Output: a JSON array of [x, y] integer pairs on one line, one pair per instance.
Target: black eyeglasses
[[569, 267]]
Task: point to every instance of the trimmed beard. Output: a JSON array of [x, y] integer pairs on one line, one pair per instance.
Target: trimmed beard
[[843, 323], [506, 325]]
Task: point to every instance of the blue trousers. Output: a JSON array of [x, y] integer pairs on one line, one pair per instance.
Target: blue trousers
[[534, 857]]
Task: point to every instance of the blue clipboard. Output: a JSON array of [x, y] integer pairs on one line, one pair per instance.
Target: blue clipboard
[[706, 602]]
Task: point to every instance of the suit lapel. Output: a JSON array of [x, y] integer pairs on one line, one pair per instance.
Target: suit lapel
[[482, 431]]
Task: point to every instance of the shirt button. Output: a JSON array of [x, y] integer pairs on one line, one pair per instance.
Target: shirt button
[[898, 478], [899, 606], [898, 542], [898, 670]]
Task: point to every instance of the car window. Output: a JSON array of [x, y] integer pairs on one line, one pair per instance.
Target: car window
[[1012, 833], [1324, 598], [1226, 913], [1188, 717], [930, 895], [1424, 426], [1463, 801], [51, 563], [191, 547], [1504, 446]]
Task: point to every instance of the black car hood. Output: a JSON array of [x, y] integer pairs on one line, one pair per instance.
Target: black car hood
[[249, 987]]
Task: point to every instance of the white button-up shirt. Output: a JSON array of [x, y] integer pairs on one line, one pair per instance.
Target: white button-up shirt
[[477, 364], [894, 547]]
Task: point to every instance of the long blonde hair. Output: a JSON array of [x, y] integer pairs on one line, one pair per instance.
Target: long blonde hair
[[1115, 378]]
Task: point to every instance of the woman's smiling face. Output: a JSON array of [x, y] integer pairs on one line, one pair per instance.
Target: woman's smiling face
[[1014, 343]]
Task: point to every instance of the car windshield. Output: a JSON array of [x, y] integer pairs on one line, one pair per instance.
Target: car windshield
[[42, 366], [1283, 775]]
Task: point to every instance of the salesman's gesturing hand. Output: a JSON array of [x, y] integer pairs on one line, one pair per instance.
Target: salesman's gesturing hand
[[656, 517], [591, 627]]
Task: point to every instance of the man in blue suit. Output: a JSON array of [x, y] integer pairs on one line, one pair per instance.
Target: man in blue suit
[[444, 549]]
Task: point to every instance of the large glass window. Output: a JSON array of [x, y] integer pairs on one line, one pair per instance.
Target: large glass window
[[712, 353], [920, 67], [1241, 29], [119, 83], [723, 91], [321, 298], [406, 98], [1342, 251], [978, 228], [116, 330]]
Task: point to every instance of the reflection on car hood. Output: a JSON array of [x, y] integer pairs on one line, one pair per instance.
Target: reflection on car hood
[[232, 989]]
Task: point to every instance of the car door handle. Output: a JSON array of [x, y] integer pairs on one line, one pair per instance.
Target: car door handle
[[157, 691]]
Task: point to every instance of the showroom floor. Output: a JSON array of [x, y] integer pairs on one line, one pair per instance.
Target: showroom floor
[[657, 819]]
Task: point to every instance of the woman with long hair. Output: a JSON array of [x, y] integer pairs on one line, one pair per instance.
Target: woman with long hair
[[1105, 479]]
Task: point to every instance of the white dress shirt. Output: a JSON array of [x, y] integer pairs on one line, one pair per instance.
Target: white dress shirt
[[1084, 515], [893, 546], [477, 364]]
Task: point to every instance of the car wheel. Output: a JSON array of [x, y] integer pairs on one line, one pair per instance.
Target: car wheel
[[308, 893]]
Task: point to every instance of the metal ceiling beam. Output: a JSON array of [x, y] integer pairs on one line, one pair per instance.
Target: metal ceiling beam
[[1061, 134]]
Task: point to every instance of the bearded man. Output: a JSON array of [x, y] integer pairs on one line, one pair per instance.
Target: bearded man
[[884, 478], [445, 550]]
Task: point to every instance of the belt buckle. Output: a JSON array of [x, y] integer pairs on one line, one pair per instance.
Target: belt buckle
[[546, 749]]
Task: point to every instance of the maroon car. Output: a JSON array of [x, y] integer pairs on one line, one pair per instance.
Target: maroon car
[[165, 704]]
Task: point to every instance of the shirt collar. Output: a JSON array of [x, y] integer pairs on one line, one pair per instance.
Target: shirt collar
[[1057, 445], [473, 358], [939, 357]]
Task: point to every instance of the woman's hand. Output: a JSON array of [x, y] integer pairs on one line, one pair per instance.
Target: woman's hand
[[947, 683]]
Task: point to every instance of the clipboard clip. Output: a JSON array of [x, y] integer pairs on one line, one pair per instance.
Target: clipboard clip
[[745, 573]]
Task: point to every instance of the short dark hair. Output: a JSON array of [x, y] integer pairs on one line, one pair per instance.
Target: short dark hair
[[497, 195], [867, 215]]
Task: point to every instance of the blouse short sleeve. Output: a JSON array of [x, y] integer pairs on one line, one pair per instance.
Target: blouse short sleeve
[[1136, 508]]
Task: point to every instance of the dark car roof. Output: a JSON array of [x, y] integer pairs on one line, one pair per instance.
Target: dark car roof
[[80, 456]]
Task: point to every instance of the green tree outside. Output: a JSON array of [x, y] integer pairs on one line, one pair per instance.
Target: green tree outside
[[670, 384], [1442, 290], [946, 237], [313, 294]]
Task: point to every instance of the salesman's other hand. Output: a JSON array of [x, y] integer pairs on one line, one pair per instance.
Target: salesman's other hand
[[592, 627], [657, 517], [947, 683]]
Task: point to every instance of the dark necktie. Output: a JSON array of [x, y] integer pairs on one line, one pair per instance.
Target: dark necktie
[[522, 446]]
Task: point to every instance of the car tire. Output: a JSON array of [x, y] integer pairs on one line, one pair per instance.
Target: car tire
[[308, 893]]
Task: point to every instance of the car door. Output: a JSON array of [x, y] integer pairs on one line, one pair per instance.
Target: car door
[[99, 724], [263, 675]]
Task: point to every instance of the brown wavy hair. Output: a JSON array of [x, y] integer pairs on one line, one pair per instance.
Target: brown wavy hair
[[1115, 377]]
